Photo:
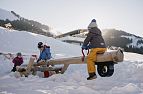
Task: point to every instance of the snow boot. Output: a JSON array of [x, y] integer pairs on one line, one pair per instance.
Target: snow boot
[[13, 69], [92, 76]]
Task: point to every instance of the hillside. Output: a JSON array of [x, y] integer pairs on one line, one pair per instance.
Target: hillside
[[22, 24], [117, 38], [14, 41]]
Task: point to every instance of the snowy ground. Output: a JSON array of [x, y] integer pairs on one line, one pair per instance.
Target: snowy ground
[[127, 78]]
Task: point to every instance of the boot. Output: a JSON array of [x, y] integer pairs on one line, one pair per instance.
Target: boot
[[13, 69], [92, 76]]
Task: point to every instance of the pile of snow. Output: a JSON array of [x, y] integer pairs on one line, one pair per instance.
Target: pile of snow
[[7, 15], [127, 78]]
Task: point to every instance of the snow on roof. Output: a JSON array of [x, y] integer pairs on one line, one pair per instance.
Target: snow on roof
[[72, 38]]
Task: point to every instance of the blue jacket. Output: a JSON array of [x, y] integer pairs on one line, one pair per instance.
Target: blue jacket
[[45, 54]]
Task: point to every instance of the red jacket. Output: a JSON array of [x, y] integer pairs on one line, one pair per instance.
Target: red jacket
[[17, 61]]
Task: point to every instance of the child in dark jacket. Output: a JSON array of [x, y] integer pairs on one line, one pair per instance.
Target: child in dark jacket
[[18, 60], [96, 43]]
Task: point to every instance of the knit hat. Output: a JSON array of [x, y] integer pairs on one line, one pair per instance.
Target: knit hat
[[92, 24], [40, 44], [19, 54]]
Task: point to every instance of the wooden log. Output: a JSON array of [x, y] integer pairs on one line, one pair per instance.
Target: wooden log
[[113, 55]]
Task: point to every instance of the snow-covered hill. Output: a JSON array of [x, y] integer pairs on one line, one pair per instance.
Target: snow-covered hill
[[127, 78], [7, 15], [13, 41]]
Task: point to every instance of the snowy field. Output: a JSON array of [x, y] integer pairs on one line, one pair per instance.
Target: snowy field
[[127, 78]]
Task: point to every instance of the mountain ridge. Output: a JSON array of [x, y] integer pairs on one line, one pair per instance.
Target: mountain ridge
[[113, 38], [22, 24]]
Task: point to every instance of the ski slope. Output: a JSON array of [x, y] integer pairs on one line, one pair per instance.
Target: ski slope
[[127, 78]]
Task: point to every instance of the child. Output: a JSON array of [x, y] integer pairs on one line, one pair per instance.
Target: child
[[45, 54], [18, 60], [95, 41]]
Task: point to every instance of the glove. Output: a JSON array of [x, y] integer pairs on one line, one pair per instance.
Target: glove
[[84, 47], [89, 46]]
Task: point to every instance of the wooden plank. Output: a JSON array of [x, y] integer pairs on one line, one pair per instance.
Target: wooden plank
[[72, 60], [30, 64], [115, 56]]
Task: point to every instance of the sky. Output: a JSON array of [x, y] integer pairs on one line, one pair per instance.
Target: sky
[[68, 15]]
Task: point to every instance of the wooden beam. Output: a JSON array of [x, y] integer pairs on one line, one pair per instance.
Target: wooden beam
[[113, 55]]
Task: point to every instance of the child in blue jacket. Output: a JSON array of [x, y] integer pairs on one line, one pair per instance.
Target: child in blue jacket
[[45, 54]]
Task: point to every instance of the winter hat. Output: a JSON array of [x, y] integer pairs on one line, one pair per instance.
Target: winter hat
[[40, 44], [92, 24], [19, 54]]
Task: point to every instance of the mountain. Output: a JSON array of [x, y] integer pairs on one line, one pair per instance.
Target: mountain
[[115, 38], [14, 21], [119, 38]]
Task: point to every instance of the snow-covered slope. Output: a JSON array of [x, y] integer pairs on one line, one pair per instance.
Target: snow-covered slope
[[7, 15], [13, 41], [127, 78]]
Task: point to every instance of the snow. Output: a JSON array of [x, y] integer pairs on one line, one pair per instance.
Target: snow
[[14, 41], [127, 78], [7, 15]]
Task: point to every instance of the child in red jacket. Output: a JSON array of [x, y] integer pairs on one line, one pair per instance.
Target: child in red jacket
[[18, 60]]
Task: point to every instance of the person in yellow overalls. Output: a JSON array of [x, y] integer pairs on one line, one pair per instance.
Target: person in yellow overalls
[[95, 42]]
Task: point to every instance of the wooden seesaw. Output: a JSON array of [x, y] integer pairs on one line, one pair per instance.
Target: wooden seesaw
[[105, 63]]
